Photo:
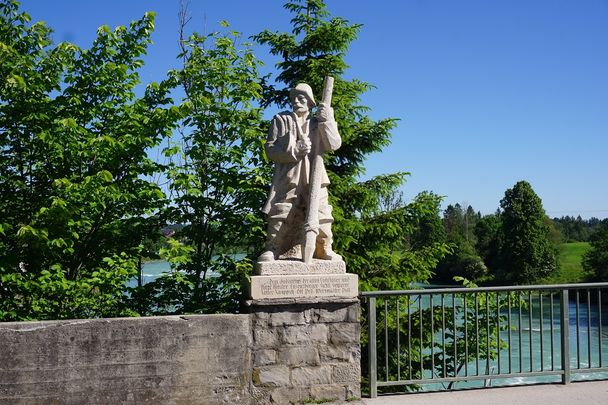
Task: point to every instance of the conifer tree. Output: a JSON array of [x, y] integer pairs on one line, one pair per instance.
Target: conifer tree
[[373, 241]]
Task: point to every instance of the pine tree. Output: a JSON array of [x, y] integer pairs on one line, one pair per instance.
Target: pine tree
[[372, 241]]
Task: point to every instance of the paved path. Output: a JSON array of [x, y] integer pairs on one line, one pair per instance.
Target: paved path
[[583, 393]]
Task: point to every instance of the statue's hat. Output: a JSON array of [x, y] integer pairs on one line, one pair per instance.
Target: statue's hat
[[302, 88]]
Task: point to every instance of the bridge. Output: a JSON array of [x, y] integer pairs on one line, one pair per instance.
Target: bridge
[[455, 341]]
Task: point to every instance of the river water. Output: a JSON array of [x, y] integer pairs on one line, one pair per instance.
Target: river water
[[588, 342], [154, 269], [536, 345]]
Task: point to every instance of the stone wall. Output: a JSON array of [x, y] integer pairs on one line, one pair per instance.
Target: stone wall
[[305, 351], [158, 360], [277, 353]]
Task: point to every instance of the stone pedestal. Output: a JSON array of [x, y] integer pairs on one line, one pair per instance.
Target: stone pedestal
[[296, 279], [305, 322], [305, 350]]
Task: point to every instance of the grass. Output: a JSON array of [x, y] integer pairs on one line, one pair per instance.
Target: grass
[[570, 264]]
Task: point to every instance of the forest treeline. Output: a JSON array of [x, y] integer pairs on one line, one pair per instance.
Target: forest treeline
[[571, 229], [83, 203], [481, 245]]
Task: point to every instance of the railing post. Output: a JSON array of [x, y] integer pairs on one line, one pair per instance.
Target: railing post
[[371, 355], [565, 331]]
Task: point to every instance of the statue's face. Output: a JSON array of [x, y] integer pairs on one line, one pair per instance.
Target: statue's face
[[300, 104]]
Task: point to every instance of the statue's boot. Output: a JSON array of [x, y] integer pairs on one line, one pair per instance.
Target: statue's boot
[[270, 252], [267, 256], [327, 254], [323, 249]]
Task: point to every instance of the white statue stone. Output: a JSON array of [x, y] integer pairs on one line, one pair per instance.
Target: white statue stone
[[299, 215]]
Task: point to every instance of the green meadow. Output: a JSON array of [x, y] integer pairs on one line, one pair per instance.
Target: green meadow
[[570, 263]]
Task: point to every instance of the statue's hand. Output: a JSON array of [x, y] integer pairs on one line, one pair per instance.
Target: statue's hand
[[303, 147], [325, 113]]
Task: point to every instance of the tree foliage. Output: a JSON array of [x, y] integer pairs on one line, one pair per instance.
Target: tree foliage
[[217, 177], [74, 197], [487, 244], [576, 229], [460, 224], [526, 253], [373, 241], [595, 261], [463, 261]]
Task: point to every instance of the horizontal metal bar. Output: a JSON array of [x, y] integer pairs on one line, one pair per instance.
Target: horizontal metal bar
[[468, 378], [588, 370], [484, 289]]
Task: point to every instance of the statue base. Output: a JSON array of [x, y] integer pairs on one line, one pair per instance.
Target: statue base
[[317, 266], [304, 286]]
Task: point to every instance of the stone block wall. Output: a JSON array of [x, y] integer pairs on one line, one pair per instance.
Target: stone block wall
[[278, 353], [157, 360], [305, 351]]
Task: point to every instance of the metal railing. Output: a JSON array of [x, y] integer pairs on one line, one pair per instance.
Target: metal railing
[[474, 336]]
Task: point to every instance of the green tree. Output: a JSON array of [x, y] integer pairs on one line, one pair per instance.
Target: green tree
[[463, 261], [526, 253], [217, 177], [430, 229], [487, 243], [595, 261], [396, 255], [555, 236], [453, 220], [372, 240], [74, 197], [575, 229], [460, 224]]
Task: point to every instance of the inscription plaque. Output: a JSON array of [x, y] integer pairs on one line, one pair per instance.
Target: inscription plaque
[[305, 285]]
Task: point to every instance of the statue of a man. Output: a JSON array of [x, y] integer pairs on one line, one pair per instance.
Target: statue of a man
[[290, 145]]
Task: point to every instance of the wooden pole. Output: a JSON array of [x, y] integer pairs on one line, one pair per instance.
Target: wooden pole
[[311, 226]]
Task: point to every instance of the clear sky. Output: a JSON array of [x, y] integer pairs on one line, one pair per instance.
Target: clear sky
[[488, 92]]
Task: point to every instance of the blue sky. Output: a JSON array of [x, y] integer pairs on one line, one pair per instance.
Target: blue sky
[[487, 92]]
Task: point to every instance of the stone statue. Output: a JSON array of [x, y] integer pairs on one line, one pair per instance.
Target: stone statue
[[299, 215]]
